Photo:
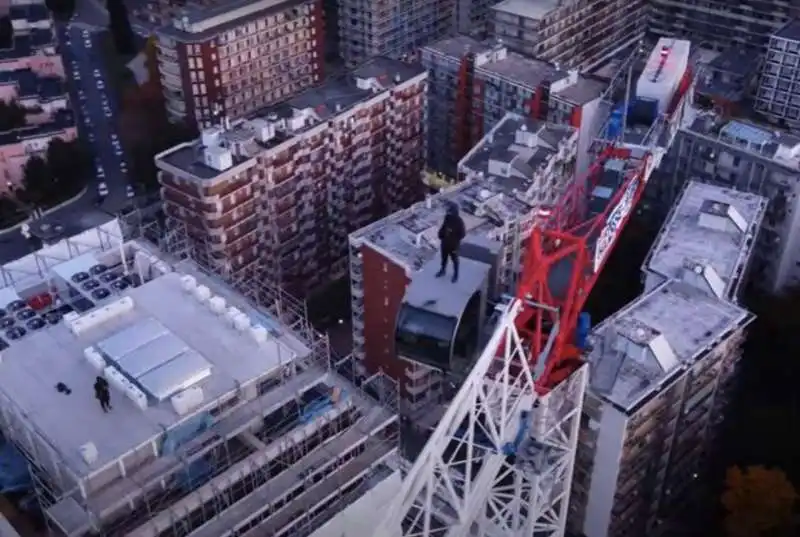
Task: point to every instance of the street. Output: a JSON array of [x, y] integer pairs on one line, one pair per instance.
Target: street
[[96, 108]]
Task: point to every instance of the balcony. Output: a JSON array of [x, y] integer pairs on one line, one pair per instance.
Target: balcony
[[171, 82], [175, 108], [418, 372], [418, 388]]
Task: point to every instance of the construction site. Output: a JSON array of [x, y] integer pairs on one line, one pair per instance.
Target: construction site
[[226, 414]]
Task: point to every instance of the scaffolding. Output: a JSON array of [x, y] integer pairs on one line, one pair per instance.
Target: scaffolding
[[268, 463]]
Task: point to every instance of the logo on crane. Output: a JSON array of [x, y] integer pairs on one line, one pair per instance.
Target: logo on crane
[[614, 223]]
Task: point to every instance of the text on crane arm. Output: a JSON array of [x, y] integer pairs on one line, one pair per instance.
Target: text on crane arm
[[614, 223]]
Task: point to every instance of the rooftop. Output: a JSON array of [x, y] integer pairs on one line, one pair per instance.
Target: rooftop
[[29, 12], [495, 60], [60, 120], [707, 239], [790, 31], [727, 75], [200, 19], [277, 124], [30, 84], [147, 331], [526, 9], [27, 44], [636, 352], [746, 135], [501, 188]]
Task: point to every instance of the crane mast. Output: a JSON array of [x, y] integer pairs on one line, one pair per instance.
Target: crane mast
[[500, 461]]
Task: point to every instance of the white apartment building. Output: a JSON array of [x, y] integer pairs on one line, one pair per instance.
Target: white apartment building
[[662, 367]]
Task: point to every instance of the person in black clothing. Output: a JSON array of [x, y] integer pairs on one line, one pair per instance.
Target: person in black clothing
[[102, 393], [451, 234]]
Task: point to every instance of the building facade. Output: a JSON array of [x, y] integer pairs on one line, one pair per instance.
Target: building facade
[[230, 58], [663, 368], [518, 168], [473, 84], [718, 24], [285, 189], [581, 34], [32, 77], [718, 149], [778, 96], [391, 27]]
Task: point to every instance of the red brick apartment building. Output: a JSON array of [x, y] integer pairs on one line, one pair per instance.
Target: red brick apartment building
[[515, 171], [283, 190], [473, 84], [234, 57]]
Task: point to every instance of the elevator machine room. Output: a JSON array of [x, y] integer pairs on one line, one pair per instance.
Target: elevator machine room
[[442, 324]]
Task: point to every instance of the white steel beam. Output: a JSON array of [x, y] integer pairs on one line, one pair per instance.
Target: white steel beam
[[500, 460]]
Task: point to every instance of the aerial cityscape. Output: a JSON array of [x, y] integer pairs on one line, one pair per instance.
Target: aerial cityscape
[[394, 268]]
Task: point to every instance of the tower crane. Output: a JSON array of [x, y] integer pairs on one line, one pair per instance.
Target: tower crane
[[499, 463]]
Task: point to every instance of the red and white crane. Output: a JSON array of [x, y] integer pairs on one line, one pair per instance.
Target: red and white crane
[[500, 461]]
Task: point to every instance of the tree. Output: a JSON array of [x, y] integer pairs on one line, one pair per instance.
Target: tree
[[6, 32], [37, 182], [10, 212], [758, 501], [68, 164], [12, 116], [61, 9], [120, 26]]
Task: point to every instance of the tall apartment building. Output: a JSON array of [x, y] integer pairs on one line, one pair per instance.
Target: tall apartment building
[[473, 84], [778, 95], [233, 57], [391, 27], [286, 188], [712, 147], [718, 24], [518, 168], [573, 33], [663, 367]]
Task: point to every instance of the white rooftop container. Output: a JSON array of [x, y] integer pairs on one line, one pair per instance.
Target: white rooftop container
[[664, 71]]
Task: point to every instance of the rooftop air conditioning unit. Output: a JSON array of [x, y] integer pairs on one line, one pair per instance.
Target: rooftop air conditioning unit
[[189, 283], [89, 453], [217, 305], [136, 395], [259, 334], [202, 293], [232, 314], [187, 400], [242, 322], [94, 358]]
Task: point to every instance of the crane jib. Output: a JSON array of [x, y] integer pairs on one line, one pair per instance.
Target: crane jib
[[614, 223]]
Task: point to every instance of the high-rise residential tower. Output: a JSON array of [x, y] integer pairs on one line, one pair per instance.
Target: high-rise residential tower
[[232, 57], [283, 189]]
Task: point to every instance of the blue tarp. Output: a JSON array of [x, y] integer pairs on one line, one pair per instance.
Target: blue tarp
[[317, 408], [14, 474], [184, 432], [582, 330], [196, 473]]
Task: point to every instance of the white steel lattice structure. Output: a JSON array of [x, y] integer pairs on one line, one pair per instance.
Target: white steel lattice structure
[[500, 462]]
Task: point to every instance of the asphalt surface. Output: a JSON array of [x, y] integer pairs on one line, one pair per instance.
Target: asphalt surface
[[79, 43]]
